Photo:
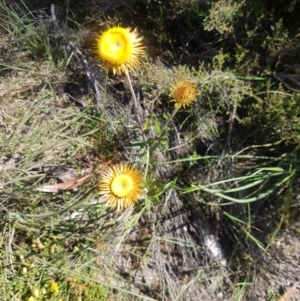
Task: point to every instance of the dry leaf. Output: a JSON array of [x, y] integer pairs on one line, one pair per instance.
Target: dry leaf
[[68, 185]]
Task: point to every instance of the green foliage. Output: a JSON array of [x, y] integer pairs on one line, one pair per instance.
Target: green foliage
[[223, 15], [277, 113], [255, 47], [163, 19]]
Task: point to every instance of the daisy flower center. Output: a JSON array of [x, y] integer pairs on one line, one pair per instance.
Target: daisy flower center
[[116, 46], [121, 185], [182, 93]]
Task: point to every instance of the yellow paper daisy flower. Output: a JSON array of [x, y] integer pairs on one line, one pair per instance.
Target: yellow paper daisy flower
[[121, 186], [120, 49], [183, 93]]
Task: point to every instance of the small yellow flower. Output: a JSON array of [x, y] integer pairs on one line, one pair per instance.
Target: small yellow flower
[[121, 186], [120, 49], [31, 299], [183, 93], [54, 286]]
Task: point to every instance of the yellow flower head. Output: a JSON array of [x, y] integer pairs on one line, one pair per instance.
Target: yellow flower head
[[120, 49], [54, 286], [121, 186], [183, 93]]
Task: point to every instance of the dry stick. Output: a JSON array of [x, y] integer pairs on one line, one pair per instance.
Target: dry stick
[[135, 107], [230, 129], [227, 142], [89, 74], [78, 53]]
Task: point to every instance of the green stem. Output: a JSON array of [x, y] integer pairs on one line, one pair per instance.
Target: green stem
[[165, 126], [168, 122]]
